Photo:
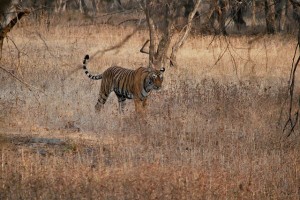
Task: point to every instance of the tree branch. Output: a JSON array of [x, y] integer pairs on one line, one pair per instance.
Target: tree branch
[[184, 36], [9, 26], [28, 86]]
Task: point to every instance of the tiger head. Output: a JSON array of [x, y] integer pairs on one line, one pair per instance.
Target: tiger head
[[154, 79]]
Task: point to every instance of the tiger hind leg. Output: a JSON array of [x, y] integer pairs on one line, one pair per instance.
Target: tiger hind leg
[[101, 101], [121, 100]]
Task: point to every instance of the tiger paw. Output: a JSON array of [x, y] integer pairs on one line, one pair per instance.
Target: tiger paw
[[98, 107]]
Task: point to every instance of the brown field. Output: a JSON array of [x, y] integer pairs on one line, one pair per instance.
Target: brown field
[[213, 132]]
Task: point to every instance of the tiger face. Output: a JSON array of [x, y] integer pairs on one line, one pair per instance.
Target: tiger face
[[154, 79]]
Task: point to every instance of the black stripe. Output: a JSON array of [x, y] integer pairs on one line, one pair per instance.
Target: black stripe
[[123, 83], [126, 82]]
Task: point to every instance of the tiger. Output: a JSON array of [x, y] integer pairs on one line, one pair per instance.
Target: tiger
[[126, 84]]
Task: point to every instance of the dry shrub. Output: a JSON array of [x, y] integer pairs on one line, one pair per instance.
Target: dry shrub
[[214, 130]]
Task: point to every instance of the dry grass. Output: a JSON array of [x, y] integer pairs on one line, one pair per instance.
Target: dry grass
[[213, 132]]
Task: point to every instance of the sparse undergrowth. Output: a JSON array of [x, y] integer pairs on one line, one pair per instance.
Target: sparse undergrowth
[[213, 132]]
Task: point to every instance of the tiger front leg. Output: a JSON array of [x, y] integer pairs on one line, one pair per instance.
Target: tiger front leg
[[140, 116], [139, 106], [145, 104]]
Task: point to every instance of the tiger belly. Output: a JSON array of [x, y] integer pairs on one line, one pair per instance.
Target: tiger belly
[[124, 94]]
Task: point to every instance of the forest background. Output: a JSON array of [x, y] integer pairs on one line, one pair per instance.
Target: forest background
[[224, 125]]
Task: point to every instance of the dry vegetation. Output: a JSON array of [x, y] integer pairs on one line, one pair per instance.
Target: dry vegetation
[[213, 132]]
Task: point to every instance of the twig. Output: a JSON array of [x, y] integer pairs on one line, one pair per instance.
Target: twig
[[19, 56], [117, 46], [221, 55], [143, 47], [130, 20], [232, 58], [48, 49], [28, 86], [102, 52]]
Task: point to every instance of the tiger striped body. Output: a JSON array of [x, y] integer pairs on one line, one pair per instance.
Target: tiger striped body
[[127, 84]]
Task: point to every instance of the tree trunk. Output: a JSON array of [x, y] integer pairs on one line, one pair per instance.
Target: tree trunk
[[222, 16], [281, 12], [253, 13], [270, 16], [164, 43], [184, 36], [9, 26], [153, 39]]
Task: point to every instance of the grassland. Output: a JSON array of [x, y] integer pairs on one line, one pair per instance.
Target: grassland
[[213, 132]]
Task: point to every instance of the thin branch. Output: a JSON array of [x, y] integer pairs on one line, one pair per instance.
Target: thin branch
[[102, 52], [295, 52], [14, 21], [130, 20], [117, 46], [142, 50], [290, 120], [28, 86], [19, 56], [49, 50], [221, 55], [9, 26]]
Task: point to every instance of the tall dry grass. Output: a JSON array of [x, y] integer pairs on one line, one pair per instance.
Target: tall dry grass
[[213, 132]]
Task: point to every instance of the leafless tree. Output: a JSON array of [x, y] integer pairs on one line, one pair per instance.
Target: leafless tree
[[9, 18], [161, 18]]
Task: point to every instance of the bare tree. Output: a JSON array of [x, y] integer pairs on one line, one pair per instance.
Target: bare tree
[[161, 18], [164, 23], [6, 24]]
